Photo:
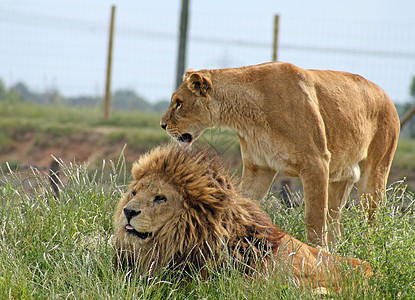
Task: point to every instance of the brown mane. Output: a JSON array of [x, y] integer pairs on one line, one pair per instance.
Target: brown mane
[[214, 213]]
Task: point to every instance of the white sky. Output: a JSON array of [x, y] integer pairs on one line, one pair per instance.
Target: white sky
[[62, 44]]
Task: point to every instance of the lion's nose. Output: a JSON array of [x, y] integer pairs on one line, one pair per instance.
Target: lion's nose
[[164, 126], [129, 213]]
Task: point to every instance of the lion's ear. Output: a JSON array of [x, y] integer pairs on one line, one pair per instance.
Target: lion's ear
[[199, 85]]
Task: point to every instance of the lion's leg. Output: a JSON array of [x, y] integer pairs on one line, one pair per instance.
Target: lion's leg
[[337, 195], [256, 180], [312, 265], [316, 194]]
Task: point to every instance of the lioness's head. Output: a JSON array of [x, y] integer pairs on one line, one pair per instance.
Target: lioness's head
[[191, 109]]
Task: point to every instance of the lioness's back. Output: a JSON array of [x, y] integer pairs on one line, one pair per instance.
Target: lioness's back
[[352, 108]]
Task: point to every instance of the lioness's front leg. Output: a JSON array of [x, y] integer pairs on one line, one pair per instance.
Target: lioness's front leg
[[316, 197], [256, 180]]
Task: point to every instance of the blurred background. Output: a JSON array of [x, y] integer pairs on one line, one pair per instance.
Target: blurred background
[[53, 58]]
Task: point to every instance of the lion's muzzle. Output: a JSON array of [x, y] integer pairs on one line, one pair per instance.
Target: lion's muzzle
[[130, 213], [142, 235]]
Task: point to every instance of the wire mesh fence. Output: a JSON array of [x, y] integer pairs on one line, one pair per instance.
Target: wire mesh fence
[[53, 50]]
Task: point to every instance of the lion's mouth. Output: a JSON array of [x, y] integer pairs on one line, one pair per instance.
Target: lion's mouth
[[141, 235], [185, 138]]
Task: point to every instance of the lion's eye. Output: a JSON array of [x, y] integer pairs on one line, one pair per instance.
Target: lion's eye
[[160, 199], [178, 104], [133, 193]]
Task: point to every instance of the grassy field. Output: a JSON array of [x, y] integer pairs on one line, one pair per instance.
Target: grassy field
[[54, 249], [61, 249]]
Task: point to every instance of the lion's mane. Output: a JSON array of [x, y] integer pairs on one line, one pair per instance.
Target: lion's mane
[[215, 216]]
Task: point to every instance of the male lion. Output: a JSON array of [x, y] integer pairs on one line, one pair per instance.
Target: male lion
[[181, 209], [332, 129]]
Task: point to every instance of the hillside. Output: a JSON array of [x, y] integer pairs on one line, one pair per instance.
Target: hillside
[[30, 134]]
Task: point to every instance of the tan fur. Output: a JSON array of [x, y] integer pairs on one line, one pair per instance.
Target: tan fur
[[202, 216], [331, 129]]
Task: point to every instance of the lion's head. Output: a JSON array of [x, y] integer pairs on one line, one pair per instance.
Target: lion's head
[[191, 110], [182, 206]]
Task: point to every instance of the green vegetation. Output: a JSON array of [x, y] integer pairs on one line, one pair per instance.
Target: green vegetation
[[62, 248], [405, 154], [85, 117], [23, 121], [121, 99], [59, 125], [20, 121], [403, 165]]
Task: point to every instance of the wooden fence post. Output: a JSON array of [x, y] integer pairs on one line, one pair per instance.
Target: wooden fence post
[[107, 99], [181, 56], [275, 40]]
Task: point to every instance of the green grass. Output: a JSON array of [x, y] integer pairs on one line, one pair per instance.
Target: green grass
[[23, 117], [62, 249], [56, 125], [84, 117], [404, 160], [58, 249], [48, 125]]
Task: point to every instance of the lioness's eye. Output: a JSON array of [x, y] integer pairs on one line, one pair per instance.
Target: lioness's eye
[[178, 104], [133, 193], [160, 199]]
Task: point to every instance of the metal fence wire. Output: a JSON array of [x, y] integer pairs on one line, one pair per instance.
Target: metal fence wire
[[69, 53]]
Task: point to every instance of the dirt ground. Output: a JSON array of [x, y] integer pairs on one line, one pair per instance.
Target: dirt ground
[[80, 148]]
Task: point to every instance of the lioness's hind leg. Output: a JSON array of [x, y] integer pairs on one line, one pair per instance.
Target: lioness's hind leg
[[371, 188], [374, 176], [337, 197]]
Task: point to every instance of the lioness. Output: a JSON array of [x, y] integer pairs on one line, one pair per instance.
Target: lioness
[[332, 129], [182, 211]]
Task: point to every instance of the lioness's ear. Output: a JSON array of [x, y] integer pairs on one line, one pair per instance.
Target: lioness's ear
[[199, 85], [191, 70]]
